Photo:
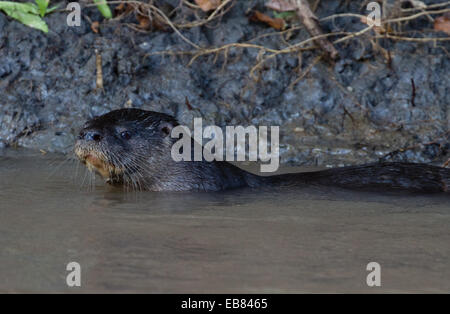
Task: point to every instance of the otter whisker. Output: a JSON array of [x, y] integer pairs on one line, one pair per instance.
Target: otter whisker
[[60, 164], [86, 173]]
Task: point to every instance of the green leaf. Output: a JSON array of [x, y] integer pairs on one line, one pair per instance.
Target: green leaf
[[52, 9], [30, 20], [103, 8], [22, 7], [284, 15], [42, 5], [26, 13]]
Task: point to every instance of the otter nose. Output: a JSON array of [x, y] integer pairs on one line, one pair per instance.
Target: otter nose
[[90, 135]]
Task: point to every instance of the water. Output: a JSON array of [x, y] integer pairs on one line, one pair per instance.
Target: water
[[307, 240]]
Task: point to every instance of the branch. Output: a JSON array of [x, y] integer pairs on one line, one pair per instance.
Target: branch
[[312, 26]]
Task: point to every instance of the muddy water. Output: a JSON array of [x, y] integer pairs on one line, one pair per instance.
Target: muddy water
[[240, 241]]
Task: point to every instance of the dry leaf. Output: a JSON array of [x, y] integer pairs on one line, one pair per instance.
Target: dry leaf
[[442, 23], [144, 21], [280, 5], [277, 23], [149, 23], [123, 8], [94, 26], [120, 7], [207, 5]]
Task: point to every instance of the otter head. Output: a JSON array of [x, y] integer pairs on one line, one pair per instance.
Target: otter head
[[124, 143]]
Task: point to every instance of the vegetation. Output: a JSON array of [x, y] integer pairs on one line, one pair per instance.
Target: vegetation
[[103, 8], [31, 14], [28, 13]]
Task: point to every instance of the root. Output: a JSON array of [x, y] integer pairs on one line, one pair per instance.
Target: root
[[318, 39]]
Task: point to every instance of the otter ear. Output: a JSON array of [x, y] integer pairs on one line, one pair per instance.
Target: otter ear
[[165, 128]]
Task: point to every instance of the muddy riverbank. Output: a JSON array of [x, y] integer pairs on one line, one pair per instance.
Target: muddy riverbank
[[355, 110]]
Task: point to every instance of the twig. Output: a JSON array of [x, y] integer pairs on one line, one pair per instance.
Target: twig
[[315, 5], [312, 26], [99, 75], [191, 5], [310, 22], [414, 38], [429, 6], [296, 47], [446, 164], [414, 16], [305, 72], [212, 16], [342, 15], [161, 13], [353, 35]]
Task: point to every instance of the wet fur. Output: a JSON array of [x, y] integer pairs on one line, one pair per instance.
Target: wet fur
[[144, 162]]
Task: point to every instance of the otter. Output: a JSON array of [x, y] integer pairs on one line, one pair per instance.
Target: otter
[[132, 147]]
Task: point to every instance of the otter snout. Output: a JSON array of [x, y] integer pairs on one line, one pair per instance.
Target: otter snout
[[90, 151], [90, 135], [88, 143]]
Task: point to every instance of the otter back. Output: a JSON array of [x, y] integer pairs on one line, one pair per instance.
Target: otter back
[[379, 176]]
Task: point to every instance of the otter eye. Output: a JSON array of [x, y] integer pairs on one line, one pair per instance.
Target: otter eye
[[125, 135]]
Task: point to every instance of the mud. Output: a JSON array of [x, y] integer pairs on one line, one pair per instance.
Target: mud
[[355, 110]]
